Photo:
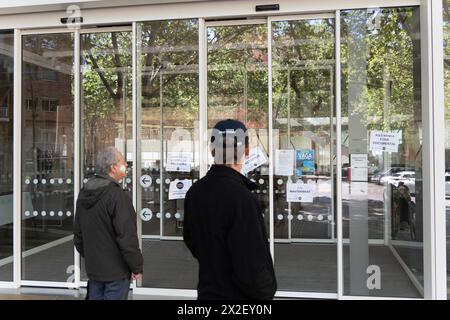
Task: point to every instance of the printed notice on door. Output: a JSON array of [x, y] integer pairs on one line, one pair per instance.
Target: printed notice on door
[[284, 162], [255, 159], [299, 192], [384, 141], [359, 171], [179, 188], [179, 162]]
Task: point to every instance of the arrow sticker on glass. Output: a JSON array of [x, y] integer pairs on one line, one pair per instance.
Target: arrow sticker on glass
[[146, 214], [145, 181]]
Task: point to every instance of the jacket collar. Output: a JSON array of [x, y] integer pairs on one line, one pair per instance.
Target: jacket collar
[[107, 177], [224, 171]]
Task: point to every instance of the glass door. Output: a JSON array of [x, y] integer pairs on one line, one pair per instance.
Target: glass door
[[237, 81], [302, 128], [47, 156], [383, 204], [6, 155], [303, 132], [278, 76], [167, 147], [105, 96]]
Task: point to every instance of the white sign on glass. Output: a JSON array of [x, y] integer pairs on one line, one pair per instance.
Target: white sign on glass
[[359, 171], [359, 174], [255, 159], [284, 162], [179, 188], [299, 192], [179, 162], [384, 141]]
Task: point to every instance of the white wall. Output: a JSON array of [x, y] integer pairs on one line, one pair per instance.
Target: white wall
[[28, 6]]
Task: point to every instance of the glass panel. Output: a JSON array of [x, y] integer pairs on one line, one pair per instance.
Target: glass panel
[[47, 157], [237, 89], [167, 137], [446, 17], [303, 116], [6, 154], [106, 95], [381, 152]]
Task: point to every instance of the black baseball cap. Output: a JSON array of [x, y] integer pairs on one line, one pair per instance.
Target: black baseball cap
[[231, 128]]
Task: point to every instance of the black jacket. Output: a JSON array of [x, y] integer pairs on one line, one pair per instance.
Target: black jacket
[[105, 232], [224, 229]]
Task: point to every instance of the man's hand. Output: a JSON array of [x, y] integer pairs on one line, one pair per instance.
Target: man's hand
[[136, 276]]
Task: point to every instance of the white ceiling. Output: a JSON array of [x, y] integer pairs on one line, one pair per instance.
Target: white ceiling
[[29, 6]]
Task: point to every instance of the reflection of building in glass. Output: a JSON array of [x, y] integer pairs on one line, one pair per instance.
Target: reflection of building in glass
[[6, 112], [106, 102], [47, 114], [6, 149]]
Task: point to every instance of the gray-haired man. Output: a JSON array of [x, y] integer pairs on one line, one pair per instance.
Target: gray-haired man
[[105, 232]]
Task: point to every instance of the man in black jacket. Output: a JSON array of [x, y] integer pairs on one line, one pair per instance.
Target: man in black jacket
[[223, 224], [105, 232]]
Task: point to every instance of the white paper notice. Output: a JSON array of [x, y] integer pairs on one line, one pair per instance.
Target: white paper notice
[[384, 141], [284, 162], [256, 159], [297, 192], [359, 171], [359, 174], [179, 162], [359, 160], [179, 188]]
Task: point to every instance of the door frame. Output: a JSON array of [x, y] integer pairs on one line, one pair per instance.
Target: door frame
[[203, 118], [17, 273], [330, 15], [75, 269], [432, 108]]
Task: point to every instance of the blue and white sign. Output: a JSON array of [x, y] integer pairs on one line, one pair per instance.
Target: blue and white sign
[[304, 162]]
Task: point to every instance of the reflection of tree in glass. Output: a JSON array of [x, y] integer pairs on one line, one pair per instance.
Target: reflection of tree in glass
[[237, 74], [47, 80], [391, 52], [386, 82], [303, 78], [169, 69], [447, 75], [106, 89]]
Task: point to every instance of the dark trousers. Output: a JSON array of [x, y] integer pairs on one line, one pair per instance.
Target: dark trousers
[[114, 290]]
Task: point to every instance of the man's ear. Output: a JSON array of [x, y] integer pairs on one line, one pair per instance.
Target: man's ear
[[247, 150]]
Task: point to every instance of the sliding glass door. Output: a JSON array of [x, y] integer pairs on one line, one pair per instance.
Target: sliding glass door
[[303, 118], [308, 87], [105, 98], [47, 156]]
